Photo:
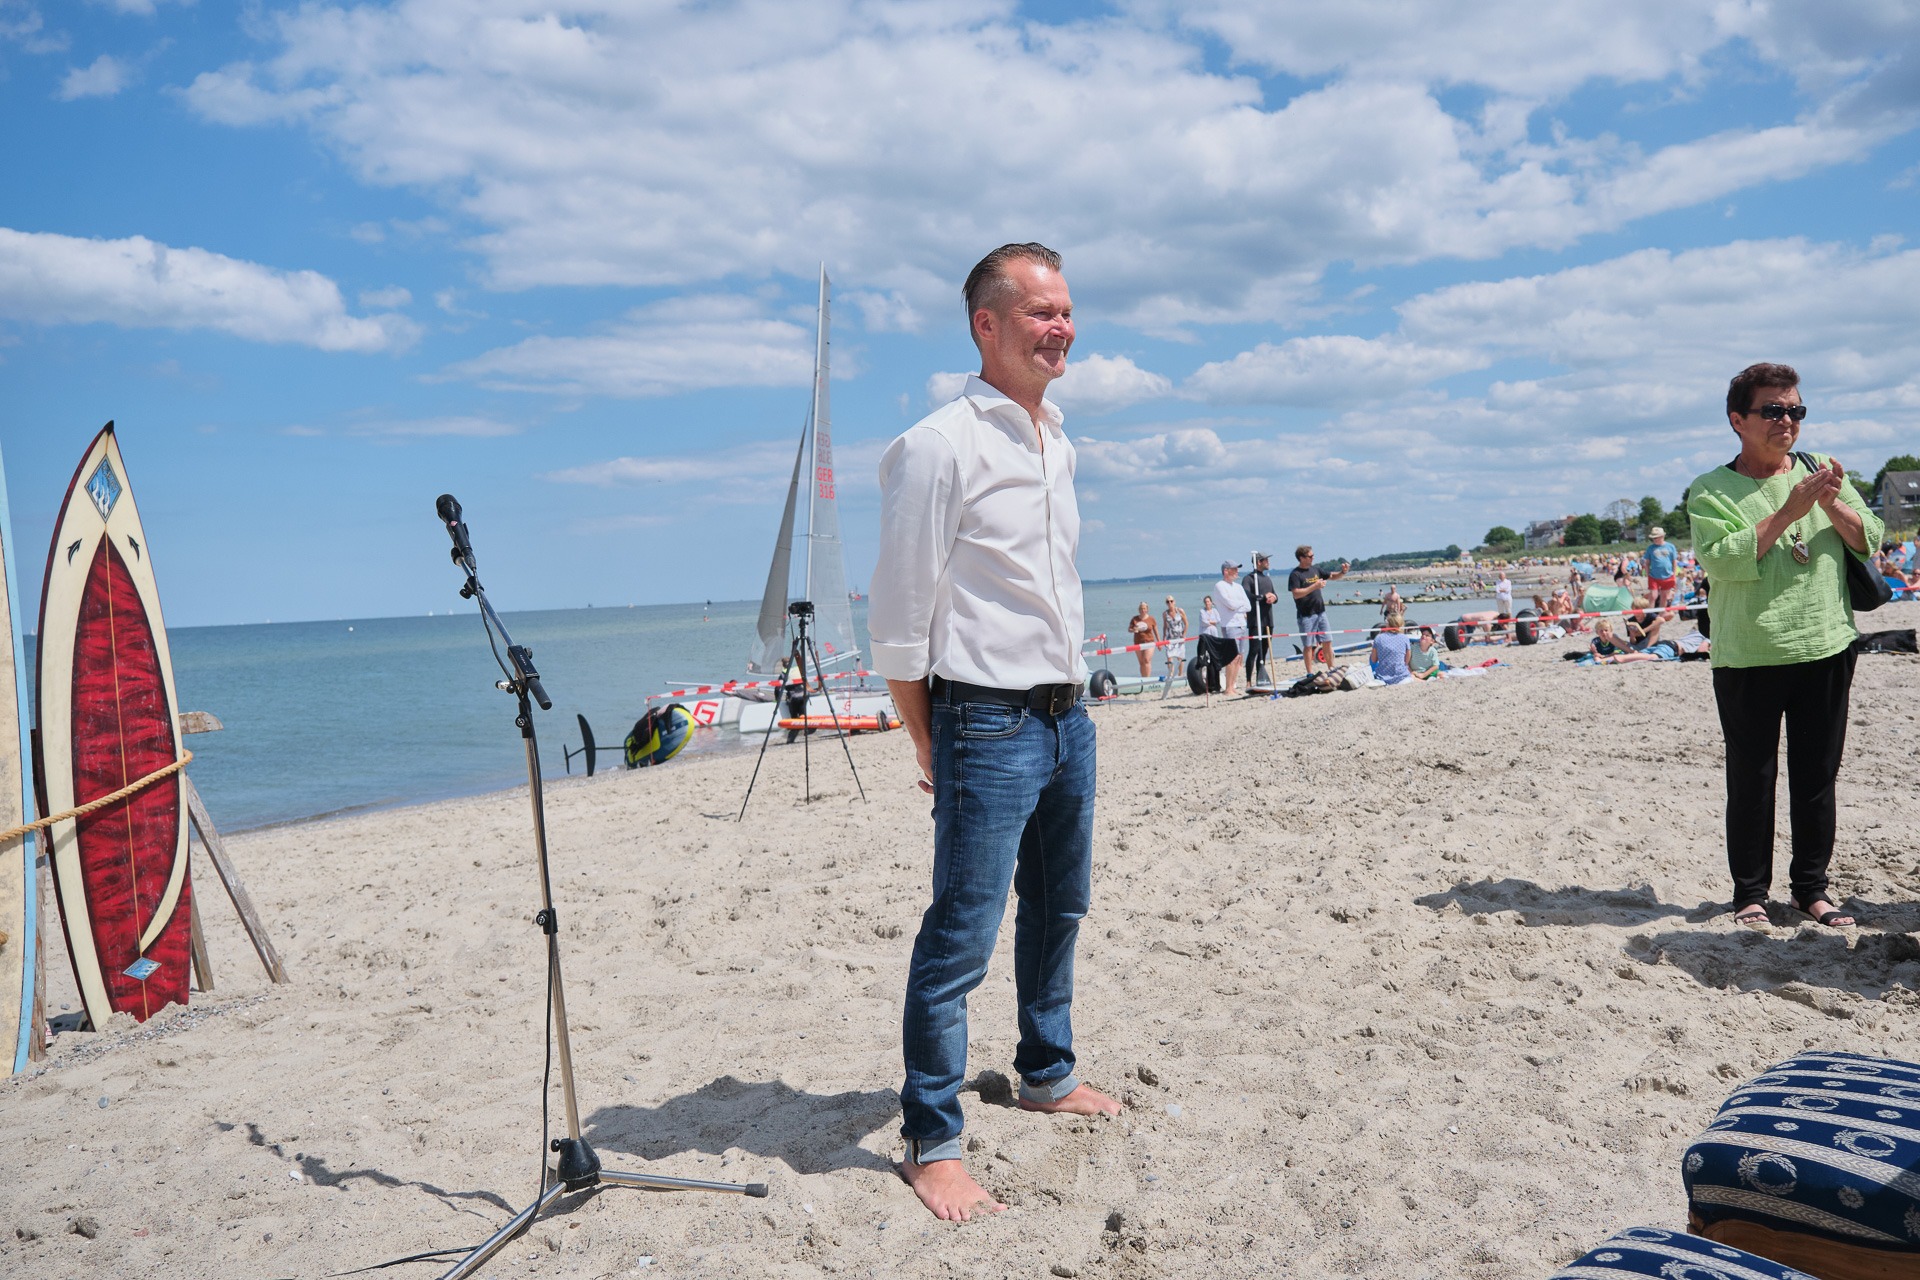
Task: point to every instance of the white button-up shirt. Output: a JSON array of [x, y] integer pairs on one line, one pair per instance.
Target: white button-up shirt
[[978, 532]]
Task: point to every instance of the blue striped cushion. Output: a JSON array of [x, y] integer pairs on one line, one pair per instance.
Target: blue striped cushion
[[1826, 1144], [1670, 1255]]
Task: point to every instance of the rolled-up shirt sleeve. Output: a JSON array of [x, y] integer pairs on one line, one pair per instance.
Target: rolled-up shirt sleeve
[[920, 505], [1725, 542]]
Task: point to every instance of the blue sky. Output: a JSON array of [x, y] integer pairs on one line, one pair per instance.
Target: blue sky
[[1375, 276]]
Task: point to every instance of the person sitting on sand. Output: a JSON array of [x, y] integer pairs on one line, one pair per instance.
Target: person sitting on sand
[[1423, 659], [1643, 626], [1604, 646], [1145, 631], [1389, 657]]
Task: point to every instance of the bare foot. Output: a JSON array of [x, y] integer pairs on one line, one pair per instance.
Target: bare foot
[[946, 1187], [1085, 1100]]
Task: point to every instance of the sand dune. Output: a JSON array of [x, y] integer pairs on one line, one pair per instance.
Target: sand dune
[[1410, 982]]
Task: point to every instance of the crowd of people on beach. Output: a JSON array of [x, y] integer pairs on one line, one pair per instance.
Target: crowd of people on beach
[[1237, 620], [1652, 586]]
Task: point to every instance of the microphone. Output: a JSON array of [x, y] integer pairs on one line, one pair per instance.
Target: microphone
[[448, 508]]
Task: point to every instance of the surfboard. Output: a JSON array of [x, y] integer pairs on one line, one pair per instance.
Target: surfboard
[[108, 717], [19, 881], [852, 724]]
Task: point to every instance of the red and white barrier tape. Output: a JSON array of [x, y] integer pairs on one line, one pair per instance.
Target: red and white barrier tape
[[732, 686]]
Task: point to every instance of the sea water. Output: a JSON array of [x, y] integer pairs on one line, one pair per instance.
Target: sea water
[[331, 717]]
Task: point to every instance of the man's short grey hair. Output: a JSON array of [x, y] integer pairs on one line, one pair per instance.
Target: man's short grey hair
[[987, 284]]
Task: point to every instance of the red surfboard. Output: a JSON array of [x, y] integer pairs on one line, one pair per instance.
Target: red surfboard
[[108, 717]]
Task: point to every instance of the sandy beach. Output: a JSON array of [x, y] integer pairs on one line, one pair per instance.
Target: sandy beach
[[1397, 983]]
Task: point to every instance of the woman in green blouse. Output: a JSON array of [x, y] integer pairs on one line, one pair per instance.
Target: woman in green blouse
[[1772, 533]]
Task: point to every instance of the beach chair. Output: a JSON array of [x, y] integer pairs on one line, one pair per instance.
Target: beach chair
[[1816, 1163], [1671, 1255]]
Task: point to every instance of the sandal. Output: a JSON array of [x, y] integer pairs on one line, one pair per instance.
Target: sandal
[[1753, 916], [1834, 919]]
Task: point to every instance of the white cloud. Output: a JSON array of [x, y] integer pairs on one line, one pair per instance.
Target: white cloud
[[942, 387], [471, 428], [22, 24], [1092, 384], [1101, 384], [683, 344], [1154, 457], [1333, 369], [104, 77], [885, 312], [388, 298], [1508, 46], [139, 283], [765, 136]]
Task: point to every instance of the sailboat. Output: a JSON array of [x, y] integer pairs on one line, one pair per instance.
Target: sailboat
[[822, 580]]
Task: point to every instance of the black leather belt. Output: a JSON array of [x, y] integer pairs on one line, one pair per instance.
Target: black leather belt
[[1054, 699]]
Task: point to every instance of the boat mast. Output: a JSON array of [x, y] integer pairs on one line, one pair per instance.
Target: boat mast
[[821, 425]]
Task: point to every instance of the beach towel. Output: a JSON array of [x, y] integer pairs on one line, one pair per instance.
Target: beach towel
[[1816, 1163], [1671, 1255]]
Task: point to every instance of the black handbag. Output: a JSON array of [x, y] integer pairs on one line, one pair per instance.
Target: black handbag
[[1866, 589]]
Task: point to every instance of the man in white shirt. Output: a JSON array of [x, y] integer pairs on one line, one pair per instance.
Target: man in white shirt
[[1234, 607], [975, 621], [1503, 594]]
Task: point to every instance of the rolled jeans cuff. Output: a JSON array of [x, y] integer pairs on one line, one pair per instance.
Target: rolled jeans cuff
[[1052, 1092], [927, 1150]]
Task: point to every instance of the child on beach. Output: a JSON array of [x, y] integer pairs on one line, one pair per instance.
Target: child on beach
[[1603, 646]]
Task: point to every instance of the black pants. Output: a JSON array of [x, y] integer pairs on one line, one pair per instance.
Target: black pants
[[1257, 646], [1812, 697]]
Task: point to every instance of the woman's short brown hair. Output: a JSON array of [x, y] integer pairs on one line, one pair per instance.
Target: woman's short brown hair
[[1757, 377]]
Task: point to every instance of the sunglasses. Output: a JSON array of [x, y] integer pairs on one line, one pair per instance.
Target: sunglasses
[[1776, 411]]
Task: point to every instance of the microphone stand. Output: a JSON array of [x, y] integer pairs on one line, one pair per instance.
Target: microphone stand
[[578, 1167]]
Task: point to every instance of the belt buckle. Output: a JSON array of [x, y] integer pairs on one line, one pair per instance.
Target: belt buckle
[[1059, 699]]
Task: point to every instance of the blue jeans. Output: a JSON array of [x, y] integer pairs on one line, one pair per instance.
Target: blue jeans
[[1013, 804]]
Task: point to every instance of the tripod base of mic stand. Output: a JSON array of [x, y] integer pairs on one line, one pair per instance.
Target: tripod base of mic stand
[[579, 1170]]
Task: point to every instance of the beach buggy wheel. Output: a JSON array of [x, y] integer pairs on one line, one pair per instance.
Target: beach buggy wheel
[[1101, 684], [1526, 628], [1455, 638]]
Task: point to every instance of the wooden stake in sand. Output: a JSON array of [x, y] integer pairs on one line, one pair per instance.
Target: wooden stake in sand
[[202, 722]]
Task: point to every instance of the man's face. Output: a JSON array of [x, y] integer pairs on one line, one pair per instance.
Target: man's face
[[1775, 435], [1030, 339], [1306, 559], [1230, 574]]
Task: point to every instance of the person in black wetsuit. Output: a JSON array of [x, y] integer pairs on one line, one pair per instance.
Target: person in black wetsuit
[[1259, 586]]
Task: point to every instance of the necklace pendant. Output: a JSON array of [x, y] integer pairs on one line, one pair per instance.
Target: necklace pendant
[[1800, 552]]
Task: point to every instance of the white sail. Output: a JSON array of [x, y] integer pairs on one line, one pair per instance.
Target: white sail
[[823, 576], [826, 580], [770, 648]]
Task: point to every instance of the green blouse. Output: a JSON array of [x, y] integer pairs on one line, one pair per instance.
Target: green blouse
[[1771, 611]]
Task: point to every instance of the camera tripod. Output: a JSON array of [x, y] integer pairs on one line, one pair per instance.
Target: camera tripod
[[801, 611], [578, 1167]]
